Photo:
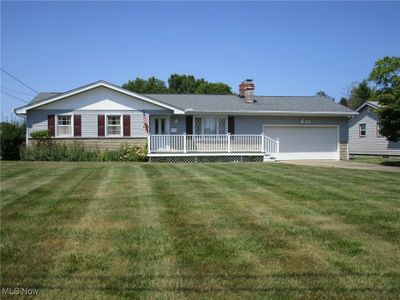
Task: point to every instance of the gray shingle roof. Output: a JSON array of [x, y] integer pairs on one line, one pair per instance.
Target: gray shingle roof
[[234, 103], [43, 96], [231, 103]]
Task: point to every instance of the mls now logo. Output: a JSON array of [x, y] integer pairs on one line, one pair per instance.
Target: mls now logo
[[19, 291]]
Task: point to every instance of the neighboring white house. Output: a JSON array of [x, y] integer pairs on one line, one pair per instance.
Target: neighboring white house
[[364, 137], [197, 127]]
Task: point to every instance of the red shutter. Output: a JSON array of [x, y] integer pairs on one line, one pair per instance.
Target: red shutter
[[127, 125], [100, 125], [51, 127], [77, 125], [231, 124], [189, 124]]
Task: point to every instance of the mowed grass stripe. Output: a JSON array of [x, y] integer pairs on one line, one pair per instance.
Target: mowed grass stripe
[[125, 245], [32, 228], [327, 240], [26, 182], [327, 197], [201, 251]]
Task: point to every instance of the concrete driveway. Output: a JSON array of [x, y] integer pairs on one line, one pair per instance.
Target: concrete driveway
[[342, 164]]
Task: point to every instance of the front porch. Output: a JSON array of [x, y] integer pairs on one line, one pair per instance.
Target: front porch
[[215, 145]]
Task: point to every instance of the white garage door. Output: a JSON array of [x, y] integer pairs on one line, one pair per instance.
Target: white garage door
[[302, 142]]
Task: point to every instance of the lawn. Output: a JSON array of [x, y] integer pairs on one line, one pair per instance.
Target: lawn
[[378, 160], [117, 230]]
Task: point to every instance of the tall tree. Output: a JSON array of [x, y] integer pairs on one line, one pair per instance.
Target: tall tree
[[360, 93], [386, 76], [183, 84], [323, 94], [217, 88], [344, 101], [150, 85], [177, 84]]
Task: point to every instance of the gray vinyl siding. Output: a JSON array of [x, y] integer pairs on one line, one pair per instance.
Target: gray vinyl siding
[[37, 120], [371, 143], [254, 124]]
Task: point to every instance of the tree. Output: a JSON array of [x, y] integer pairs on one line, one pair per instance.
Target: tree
[[386, 76], [12, 135], [177, 84], [183, 84], [323, 94], [217, 88], [151, 85], [360, 93], [344, 101]]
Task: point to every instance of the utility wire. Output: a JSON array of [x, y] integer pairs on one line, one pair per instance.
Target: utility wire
[[21, 82], [17, 98], [15, 91]]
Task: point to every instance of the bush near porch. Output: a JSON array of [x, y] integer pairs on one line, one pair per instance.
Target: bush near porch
[[46, 149]]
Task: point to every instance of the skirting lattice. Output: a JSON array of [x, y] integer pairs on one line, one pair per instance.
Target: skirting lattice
[[205, 159]]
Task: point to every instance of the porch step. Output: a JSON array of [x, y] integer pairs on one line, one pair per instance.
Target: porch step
[[269, 158]]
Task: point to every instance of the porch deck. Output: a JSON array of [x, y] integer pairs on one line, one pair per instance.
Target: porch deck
[[212, 145]]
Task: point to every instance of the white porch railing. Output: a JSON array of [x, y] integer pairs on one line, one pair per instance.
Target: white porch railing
[[220, 143]]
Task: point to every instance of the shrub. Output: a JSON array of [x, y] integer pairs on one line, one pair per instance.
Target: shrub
[[76, 151], [12, 137], [134, 153], [40, 135]]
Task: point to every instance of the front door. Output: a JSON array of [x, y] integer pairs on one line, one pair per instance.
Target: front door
[[160, 125]]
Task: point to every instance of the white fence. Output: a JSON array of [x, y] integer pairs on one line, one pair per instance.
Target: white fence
[[220, 143]]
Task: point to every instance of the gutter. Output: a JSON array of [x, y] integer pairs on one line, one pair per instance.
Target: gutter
[[274, 113]]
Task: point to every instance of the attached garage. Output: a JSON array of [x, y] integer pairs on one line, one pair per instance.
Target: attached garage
[[305, 142]]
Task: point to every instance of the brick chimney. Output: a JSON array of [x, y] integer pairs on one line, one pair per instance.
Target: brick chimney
[[246, 90]]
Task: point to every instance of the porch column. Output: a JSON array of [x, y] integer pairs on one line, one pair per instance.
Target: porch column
[[148, 143], [262, 142], [229, 141], [184, 143]]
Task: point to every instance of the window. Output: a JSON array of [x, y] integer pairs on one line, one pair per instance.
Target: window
[[210, 125], [64, 126], [114, 126], [378, 127], [159, 126], [363, 129]]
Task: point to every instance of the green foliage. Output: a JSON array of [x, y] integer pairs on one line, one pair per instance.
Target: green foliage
[[151, 85], [76, 151], [323, 94], [177, 84], [360, 93], [40, 135], [12, 136], [344, 101], [133, 153], [386, 76], [217, 88], [183, 84]]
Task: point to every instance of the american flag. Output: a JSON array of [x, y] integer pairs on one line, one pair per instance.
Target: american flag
[[145, 123]]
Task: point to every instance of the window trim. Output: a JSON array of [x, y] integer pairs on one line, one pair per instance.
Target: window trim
[[378, 135], [106, 125], [202, 124], [359, 130], [56, 126]]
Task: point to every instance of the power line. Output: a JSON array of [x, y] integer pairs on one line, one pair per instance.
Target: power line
[[16, 91], [17, 98], [21, 82]]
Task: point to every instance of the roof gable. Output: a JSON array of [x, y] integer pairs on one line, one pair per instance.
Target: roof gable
[[373, 104], [39, 101]]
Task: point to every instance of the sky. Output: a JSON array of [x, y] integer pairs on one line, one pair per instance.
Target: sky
[[288, 48]]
